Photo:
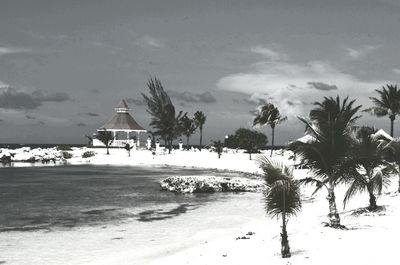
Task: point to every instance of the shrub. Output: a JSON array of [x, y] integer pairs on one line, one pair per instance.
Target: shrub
[[88, 154], [66, 155], [64, 148]]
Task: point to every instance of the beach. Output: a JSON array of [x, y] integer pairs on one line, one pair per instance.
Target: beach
[[234, 229]]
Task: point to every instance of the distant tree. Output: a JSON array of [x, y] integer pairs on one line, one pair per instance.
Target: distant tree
[[392, 154], [90, 140], [106, 138], [370, 171], [330, 127], [188, 128], [218, 147], [269, 114], [200, 119], [164, 118], [128, 148], [388, 104], [251, 141], [282, 196]]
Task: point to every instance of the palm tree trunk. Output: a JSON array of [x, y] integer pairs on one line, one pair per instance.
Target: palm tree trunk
[[187, 142], [107, 150], [285, 249], [372, 201], [391, 126], [273, 138], [250, 155], [398, 189], [201, 137], [334, 218]]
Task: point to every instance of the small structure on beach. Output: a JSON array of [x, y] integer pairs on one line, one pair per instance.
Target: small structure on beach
[[123, 126]]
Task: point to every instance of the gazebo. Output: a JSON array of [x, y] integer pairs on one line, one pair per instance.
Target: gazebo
[[122, 125]]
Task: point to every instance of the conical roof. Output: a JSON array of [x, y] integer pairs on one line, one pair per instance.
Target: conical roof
[[122, 105], [122, 120]]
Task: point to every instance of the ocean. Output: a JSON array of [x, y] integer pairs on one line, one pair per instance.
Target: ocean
[[79, 214]]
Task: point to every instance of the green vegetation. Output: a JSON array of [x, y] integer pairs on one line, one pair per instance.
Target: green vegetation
[[269, 114], [200, 119], [251, 141], [106, 138], [282, 197]]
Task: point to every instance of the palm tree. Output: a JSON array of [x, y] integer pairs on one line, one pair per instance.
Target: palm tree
[[218, 147], [330, 127], [106, 138], [388, 104], [282, 197], [164, 117], [370, 171], [200, 119], [188, 128], [269, 114], [392, 154]]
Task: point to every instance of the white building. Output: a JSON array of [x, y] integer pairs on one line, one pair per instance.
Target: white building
[[123, 126]]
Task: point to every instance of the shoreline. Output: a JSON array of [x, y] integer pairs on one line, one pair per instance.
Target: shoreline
[[310, 241]]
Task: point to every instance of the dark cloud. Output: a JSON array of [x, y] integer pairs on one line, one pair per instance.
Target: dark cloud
[[95, 91], [90, 114], [137, 101], [322, 86], [81, 124], [10, 98], [29, 117], [190, 97], [41, 123]]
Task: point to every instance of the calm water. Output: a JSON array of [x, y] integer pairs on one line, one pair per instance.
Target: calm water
[[68, 196]]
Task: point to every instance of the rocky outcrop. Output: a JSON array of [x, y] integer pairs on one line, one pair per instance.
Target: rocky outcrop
[[191, 184], [26, 154]]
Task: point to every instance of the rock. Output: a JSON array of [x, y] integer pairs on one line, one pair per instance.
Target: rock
[[196, 184], [26, 154]]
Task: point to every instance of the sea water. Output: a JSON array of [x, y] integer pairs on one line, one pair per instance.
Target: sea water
[[83, 214]]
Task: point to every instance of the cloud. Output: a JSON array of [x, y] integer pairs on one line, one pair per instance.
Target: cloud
[[81, 124], [29, 117], [137, 101], [149, 41], [189, 97], [95, 91], [12, 50], [90, 114], [292, 86], [396, 71], [322, 86], [268, 53], [10, 98], [360, 53]]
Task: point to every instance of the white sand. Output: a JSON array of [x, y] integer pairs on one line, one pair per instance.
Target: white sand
[[371, 238]]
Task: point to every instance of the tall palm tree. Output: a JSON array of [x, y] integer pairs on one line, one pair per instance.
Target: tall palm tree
[[269, 114], [200, 119], [282, 197], [392, 154], [388, 104], [330, 127], [188, 128], [370, 172], [106, 138]]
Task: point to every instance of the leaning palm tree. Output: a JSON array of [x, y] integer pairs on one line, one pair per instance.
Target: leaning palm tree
[[370, 171], [282, 196], [106, 138], [388, 104], [392, 154], [330, 127], [200, 119], [269, 114]]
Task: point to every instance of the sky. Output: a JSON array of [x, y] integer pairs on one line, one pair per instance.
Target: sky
[[64, 65]]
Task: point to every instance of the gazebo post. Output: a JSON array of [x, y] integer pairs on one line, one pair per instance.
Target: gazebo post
[[138, 139]]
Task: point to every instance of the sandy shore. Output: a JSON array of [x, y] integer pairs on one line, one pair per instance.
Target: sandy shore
[[368, 240]]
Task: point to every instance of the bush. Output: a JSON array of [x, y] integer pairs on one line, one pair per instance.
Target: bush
[[66, 155], [88, 154], [251, 141]]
